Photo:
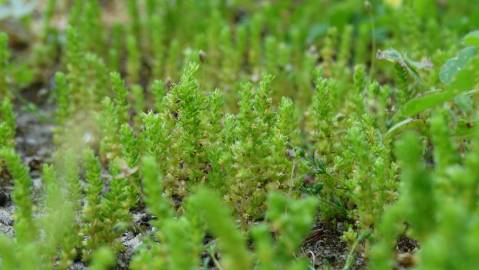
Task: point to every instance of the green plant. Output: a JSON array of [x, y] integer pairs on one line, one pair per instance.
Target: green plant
[[232, 242], [24, 224], [417, 205], [4, 59], [263, 150], [291, 220], [8, 124], [176, 235], [210, 131]]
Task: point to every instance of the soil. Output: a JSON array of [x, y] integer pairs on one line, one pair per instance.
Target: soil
[[325, 248]]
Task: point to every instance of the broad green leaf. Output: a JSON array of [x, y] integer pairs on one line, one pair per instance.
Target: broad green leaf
[[472, 39], [467, 78], [454, 65], [427, 101]]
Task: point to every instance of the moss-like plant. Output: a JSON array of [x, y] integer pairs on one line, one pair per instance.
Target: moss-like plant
[[8, 124], [216, 117], [112, 207], [25, 227], [4, 60], [291, 220]]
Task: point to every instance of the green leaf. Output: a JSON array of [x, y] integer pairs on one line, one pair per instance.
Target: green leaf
[[427, 101], [472, 39], [454, 65], [467, 78]]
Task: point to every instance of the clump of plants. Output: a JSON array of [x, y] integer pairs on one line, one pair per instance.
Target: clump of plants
[[218, 134]]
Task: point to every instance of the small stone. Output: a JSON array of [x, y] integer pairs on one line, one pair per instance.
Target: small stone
[[78, 266], [6, 217]]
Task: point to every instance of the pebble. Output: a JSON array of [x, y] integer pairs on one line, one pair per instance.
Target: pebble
[[6, 217]]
